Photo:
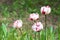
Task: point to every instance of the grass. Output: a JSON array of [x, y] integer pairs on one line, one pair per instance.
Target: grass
[[15, 34]]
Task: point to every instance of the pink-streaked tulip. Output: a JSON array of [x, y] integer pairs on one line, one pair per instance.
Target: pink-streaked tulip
[[45, 10], [37, 26], [34, 16], [17, 24]]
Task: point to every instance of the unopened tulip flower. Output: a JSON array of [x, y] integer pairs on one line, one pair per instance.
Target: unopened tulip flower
[[17, 24], [45, 10], [34, 16], [37, 26]]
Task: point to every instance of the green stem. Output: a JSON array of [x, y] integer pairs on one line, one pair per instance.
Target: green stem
[[35, 36], [27, 37], [45, 27], [27, 33], [21, 31], [38, 35]]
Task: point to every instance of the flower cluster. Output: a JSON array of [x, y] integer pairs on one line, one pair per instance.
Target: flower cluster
[[37, 26]]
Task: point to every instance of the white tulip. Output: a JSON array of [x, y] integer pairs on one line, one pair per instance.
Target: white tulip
[[17, 24], [45, 10], [34, 16], [37, 26]]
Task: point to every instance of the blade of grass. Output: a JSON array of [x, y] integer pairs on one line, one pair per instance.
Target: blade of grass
[[4, 28]]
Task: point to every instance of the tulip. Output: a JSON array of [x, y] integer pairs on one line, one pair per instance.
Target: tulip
[[17, 24], [45, 10], [37, 26], [34, 16]]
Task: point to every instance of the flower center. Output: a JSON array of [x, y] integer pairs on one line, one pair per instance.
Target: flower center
[[43, 12]]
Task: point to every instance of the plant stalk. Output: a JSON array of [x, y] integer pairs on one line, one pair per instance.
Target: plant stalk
[[45, 27], [38, 35]]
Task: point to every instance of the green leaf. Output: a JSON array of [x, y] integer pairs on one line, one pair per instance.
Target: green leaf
[[4, 28], [51, 29], [52, 33], [31, 37], [23, 36]]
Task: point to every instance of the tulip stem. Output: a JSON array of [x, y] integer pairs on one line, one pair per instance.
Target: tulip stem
[[20, 31], [38, 35], [35, 36], [45, 27], [27, 33]]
